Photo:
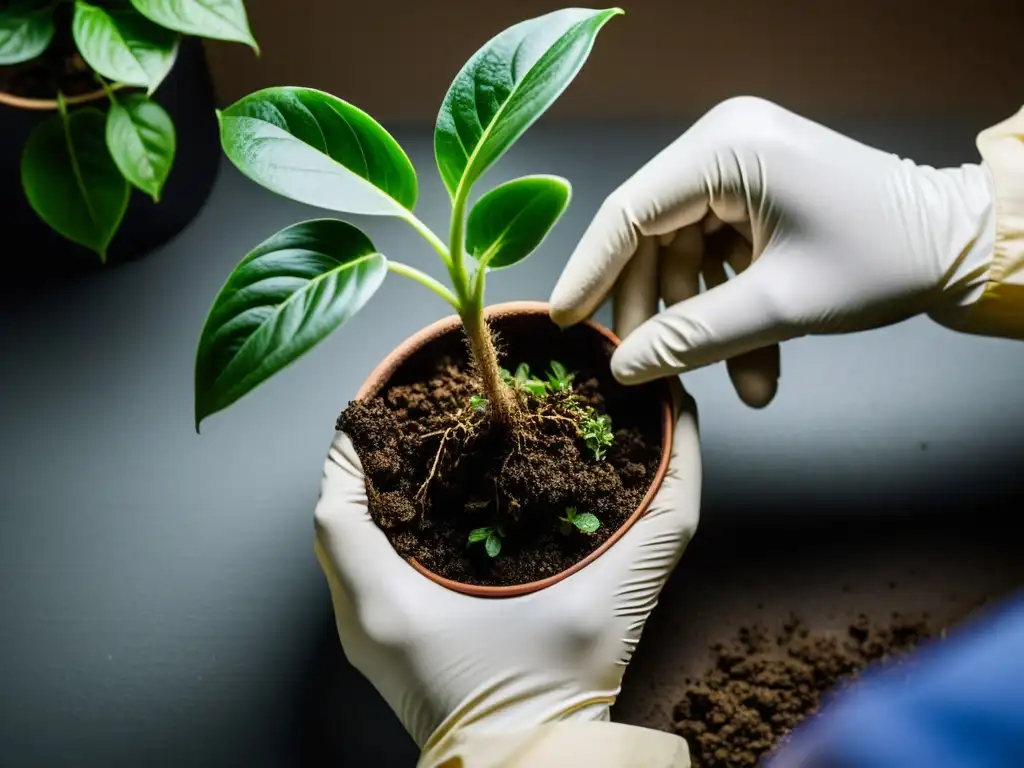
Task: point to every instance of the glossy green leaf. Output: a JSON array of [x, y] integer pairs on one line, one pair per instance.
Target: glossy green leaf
[[123, 45], [71, 180], [215, 19], [141, 139], [281, 300], [26, 30], [493, 545], [508, 223], [507, 84], [319, 150], [586, 522], [480, 534]]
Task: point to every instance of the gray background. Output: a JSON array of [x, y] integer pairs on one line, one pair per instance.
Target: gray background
[[159, 597]]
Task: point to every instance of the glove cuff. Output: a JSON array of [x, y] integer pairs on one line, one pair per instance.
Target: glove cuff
[[563, 745], [997, 309]]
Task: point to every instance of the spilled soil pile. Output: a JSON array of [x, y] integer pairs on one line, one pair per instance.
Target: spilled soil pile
[[762, 684]]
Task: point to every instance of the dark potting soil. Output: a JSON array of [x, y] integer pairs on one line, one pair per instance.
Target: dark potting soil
[[762, 684], [58, 68], [436, 470]]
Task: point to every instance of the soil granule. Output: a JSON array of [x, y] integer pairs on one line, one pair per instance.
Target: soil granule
[[436, 469], [762, 684]]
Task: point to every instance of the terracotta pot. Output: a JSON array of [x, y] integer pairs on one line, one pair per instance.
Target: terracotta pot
[[42, 258], [426, 345]]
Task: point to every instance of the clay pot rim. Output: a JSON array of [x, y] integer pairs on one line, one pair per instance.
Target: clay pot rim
[[49, 105], [380, 376]]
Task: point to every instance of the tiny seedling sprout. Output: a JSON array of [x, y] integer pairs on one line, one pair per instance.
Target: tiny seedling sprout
[[596, 430], [524, 380], [585, 522], [491, 536], [559, 379], [300, 284]]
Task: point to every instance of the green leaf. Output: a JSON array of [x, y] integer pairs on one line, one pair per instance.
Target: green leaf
[[559, 378], [493, 545], [282, 299], [215, 19], [536, 387], [478, 403], [319, 150], [506, 86], [508, 223], [141, 139], [523, 373], [122, 45], [587, 523], [480, 534], [25, 32], [71, 180]]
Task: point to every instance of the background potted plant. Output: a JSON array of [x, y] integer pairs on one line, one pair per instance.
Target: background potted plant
[[497, 469], [109, 141]]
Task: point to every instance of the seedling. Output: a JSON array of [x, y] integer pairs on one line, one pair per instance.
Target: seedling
[[302, 283], [491, 536], [596, 430], [478, 403], [524, 380], [584, 522], [79, 166], [559, 379]]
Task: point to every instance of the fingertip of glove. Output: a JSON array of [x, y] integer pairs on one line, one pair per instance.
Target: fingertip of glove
[[569, 304], [560, 315], [755, 375], [627, 371], [755, 390]]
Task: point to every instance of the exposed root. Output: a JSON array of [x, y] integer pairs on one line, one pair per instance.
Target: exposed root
[[467, 423], [464, 426], [556, 417], [422, 492]]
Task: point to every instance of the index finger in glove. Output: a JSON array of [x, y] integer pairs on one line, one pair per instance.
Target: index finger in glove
[[674, 189], [631, 212]]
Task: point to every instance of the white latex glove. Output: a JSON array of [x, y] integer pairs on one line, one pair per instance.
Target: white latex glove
[[826, 235], [446, 661]]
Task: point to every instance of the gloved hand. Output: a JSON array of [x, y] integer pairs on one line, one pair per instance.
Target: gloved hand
[[956, 704], [825, 235], [447, 662]]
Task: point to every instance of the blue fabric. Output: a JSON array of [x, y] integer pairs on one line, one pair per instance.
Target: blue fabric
[[959, 703]]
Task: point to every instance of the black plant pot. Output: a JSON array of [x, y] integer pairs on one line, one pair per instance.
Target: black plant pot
[[34, 257]]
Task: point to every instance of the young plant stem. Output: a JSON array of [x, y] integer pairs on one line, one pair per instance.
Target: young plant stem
[[467, 297], [503, 407], [106, 88], [426, 233]]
